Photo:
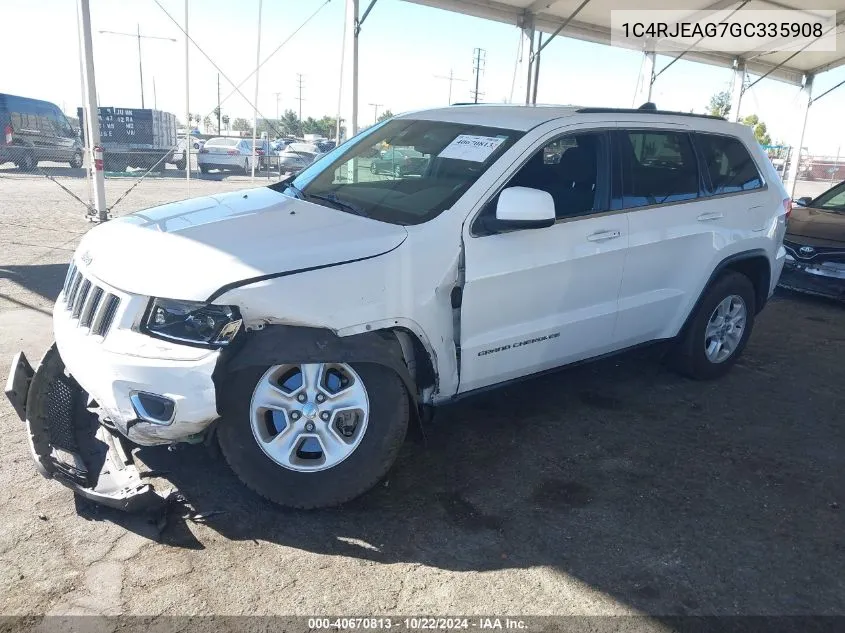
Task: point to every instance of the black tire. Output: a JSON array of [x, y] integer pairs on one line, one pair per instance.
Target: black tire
[[76, 161], [397, 171], [373, 169], [246, 167], [689, 357], [28, 162], [385, 433], [180, 164], [203, 169]]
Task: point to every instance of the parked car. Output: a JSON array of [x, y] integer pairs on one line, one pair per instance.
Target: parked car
[[178, 157], [226, 153], [815, 245], [303, 326], [326, 146], [35, 130], [297, 156], [399, 161]]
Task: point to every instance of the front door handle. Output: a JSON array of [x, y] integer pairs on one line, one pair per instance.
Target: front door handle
[[707, 217], [603, 236]]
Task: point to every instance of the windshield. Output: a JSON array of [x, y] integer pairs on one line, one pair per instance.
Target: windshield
[[402, 171], [831, 200]]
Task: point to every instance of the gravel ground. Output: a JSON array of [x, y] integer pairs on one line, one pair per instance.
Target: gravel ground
[[610, 488]]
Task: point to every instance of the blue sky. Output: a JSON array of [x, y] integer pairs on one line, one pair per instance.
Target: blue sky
[[402, 48]]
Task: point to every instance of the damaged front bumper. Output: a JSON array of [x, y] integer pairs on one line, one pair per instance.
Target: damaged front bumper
[[68, 441], [824, 279]]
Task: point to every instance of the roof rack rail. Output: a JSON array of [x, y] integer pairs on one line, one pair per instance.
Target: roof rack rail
[[642, 110]]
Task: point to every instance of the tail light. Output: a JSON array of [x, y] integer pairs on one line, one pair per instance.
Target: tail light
[[203, 151], [233, 152], [7, 134], [787, 207], [260, 152]]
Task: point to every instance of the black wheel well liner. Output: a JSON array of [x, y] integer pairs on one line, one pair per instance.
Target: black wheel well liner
[[754, 264], [276, 344]]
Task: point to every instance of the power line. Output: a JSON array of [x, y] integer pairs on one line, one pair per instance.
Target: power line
[[376, 106], [479, 59], [451, 77]]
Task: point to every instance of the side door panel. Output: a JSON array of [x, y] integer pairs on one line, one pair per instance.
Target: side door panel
[[539, 298]]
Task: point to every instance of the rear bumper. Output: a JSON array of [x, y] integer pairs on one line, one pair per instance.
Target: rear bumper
[[67, 441], [802, 278]]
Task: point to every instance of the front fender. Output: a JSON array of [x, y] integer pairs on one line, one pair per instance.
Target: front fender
[[278, 344]]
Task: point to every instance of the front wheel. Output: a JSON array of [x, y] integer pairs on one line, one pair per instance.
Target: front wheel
[[313, 435], [719, 330], [76, 161]]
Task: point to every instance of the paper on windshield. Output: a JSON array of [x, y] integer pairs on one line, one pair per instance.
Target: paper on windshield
[[474, 148]]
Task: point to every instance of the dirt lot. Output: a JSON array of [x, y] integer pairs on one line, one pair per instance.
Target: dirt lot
[[610, 488]]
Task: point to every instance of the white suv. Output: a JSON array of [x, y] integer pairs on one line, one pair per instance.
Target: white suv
[[303, 325]]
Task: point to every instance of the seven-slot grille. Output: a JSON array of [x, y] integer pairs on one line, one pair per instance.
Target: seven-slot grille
[[91, 305]]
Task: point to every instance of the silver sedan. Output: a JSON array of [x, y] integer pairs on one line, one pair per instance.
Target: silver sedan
[[226, 153]]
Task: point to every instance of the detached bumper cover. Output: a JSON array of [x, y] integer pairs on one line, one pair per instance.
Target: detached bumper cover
[[67, 441], [803, 278]]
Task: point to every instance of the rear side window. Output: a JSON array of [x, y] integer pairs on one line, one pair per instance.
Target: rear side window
[[728, 164], [657, 167]]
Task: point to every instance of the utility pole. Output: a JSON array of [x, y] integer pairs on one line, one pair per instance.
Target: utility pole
[[140, 59], [376, 106], [278, 96], [187, 106], [479, 58], [155, 101], [91, 112], [218, 103], [299, 98], [451, 77]]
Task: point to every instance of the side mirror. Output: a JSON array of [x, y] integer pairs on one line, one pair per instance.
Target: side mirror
[[804, 201], [524, 208]]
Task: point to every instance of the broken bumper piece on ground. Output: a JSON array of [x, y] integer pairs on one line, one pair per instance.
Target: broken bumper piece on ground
[[67, 440]]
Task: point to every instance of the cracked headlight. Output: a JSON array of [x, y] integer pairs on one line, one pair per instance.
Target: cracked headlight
[[192, 322]]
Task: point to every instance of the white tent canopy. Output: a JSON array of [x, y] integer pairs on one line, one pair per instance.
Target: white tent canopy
[[592, 23]]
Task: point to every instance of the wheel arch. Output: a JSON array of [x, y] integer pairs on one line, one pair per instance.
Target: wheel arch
[[276, 344], [753, 264]]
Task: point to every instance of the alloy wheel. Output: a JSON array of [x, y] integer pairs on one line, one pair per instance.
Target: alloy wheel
[[309, 417], [725, 329]]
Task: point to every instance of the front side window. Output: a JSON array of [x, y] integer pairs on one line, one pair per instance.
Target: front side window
[[657, 167], [728, 164], [403, 171]]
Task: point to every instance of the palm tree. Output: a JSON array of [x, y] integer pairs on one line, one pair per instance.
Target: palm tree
[[226, 121]]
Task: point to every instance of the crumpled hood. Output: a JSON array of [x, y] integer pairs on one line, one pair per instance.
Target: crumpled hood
[[824, 228], [190, 249]]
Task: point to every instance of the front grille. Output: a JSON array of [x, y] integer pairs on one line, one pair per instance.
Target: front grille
[[91, 305], [817, 254]]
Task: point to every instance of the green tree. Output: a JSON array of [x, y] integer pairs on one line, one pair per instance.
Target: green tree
[[384, 115], [290, 123], [720, 104], [206, 124], [241, 125], [217, 117], [760, 131]]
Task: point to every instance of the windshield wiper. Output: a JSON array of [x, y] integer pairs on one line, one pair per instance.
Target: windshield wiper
[[345, 206], [296, 190]]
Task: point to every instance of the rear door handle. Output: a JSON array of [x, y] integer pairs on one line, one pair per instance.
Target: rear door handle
[[707, 217], [603, 236]]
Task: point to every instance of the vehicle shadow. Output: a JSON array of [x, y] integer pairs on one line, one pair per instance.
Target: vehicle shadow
[[676, 497], [43, 279]]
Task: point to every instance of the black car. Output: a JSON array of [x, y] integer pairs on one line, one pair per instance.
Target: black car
[[399, 161], [35, 130], [815, 245]]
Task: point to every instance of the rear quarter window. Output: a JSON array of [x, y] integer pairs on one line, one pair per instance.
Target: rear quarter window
[[728, 164]]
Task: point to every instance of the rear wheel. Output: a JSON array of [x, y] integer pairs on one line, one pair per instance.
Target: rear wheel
[[76, 160], [719, 330], [397, 171], [27, 162], [373, 169], [316, 434], [203, 169], [246, 166]]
